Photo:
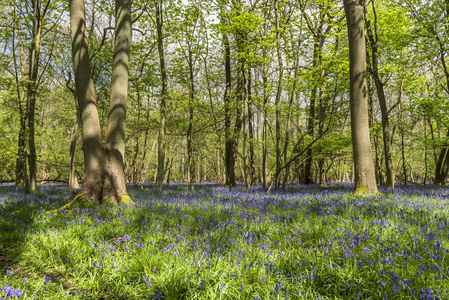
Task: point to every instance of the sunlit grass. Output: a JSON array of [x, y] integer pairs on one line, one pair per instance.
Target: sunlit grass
[[302, 243]]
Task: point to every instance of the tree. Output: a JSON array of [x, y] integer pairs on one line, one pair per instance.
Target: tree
[[188, 33], [29, 74], [374, 70], [278, 95], [230, 154], [104, 177], [365, 178], [161, 136]]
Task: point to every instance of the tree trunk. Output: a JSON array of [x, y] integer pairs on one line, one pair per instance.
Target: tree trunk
[[21, 162], [240, 99], [104, 177], [371, 113], [142, 171], [373, 41], [291, 98], [365, 178], [258, 126], [229, 149], [169, 166], [321, 159], [442, 166], [190, 129], [265, 122], [33, 66], [278, 96], [21, 171], [73, 182], [252, 167], [311, 119], [161, 136], [425, 150], [246, 174], [134, 168]]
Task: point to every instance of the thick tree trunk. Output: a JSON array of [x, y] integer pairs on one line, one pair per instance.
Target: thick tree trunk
[[365, 178], [161, 136], [104, 177]]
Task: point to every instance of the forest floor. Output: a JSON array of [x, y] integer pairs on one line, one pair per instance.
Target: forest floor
[[307, 242]]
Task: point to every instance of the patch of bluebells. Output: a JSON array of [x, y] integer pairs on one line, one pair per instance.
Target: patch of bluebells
[[301, 241], [10, 292]]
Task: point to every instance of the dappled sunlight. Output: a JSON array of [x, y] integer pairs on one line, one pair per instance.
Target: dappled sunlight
[[302, 243]]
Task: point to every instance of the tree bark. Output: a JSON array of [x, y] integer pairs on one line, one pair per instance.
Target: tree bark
[[229, 149], [72, 181], [291, 98], [321, 159], [365, 178], [241, 94], [104, 177], [21, 172], [278, 95], [246, 173], [442, 166], [252, 167], [33, 66], [425, 150], [161, 136], [190, 157], [373, 42], [134, 168], [265, 122], [401, 129], [311, 119], [142, 170]]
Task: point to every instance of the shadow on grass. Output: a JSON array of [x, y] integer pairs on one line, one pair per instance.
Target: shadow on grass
[[19, 215]]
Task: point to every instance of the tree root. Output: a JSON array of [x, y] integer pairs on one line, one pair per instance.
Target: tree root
[[364, 191], [78, 202], [124, 199]]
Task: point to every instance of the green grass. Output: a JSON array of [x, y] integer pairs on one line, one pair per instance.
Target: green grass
[[304, 243]]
